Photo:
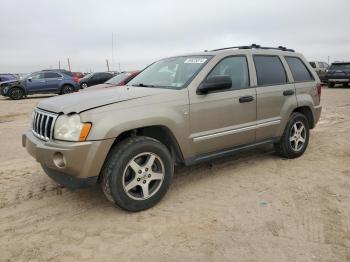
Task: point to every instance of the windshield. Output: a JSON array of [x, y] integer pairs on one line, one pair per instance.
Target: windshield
[[173, 72], [345, 66], [88, 75], [118, 78]]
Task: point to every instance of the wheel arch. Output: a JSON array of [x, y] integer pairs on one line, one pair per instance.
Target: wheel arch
[[158, 132], [307, 112]]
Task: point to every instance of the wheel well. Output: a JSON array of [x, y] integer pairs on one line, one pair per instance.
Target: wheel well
[[67, 84], [20, 87], [160, 133], [306, 111]]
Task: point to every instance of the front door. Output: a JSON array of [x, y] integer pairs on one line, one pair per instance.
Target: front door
[[35, 82], [224, 119]]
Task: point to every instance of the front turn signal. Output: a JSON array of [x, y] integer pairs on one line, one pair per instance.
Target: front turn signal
[[85, 131]]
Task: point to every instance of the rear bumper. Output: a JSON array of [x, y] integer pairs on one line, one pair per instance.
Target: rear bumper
[[72, 164], [317, 114]]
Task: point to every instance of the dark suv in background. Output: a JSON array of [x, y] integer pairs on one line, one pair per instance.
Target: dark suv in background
[[338, 73], [42, 82], [94, 79]]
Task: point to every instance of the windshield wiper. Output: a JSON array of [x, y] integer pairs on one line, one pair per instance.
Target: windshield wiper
[[142, 85]]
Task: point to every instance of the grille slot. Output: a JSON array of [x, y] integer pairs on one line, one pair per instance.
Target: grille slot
[[43, 123]]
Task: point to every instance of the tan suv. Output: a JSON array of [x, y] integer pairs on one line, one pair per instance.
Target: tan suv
[[179, 110]]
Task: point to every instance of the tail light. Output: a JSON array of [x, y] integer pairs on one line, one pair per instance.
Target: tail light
[[76, 79], [318, 90]]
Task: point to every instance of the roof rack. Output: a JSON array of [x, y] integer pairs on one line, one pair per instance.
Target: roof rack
[[255, 46]]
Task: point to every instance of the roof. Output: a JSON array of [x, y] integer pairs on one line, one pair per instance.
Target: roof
[[256, 49]]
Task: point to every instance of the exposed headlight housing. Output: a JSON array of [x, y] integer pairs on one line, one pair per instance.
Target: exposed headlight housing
[[70, 128]]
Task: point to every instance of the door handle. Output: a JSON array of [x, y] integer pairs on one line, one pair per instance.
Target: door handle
[[288, 92], [245, 99]]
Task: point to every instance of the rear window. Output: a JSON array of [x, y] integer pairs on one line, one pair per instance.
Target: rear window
[[313, 65], [299, 71], [338, 66], [269, 70]]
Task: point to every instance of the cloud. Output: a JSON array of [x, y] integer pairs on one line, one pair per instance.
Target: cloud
[[37, 34]]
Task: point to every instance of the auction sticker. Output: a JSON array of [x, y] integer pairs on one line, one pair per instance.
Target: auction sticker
[[195, 60]]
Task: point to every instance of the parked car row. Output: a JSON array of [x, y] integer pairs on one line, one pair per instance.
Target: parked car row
[[337, 73], [57, 81]]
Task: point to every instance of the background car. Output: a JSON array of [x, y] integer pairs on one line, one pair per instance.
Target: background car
[[55, 81], [7, 77], [320, 68], [94, 79], [119, 80], [338, 73]]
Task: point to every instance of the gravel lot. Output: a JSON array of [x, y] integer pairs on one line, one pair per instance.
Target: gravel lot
[[251, 207]]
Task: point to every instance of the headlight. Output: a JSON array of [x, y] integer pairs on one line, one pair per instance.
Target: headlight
[[5, 90], [70, 128]]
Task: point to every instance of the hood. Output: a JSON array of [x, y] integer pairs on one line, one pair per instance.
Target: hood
[[92, 98], [97, 87], [10, 82]]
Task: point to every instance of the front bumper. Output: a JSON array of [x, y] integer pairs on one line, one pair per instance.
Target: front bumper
[[72, 164]]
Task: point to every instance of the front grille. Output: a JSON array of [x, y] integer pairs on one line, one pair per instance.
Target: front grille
[[43, 123]]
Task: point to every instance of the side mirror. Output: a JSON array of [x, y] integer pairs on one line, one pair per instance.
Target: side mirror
[[215, 83], [29, 79]]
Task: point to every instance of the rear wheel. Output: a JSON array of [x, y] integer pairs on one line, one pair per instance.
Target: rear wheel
[[16, 93], [331, 85], [137, 173], [295, 138], [67, 89]]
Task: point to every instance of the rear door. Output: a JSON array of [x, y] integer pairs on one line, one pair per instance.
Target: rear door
[[224, 119], [35, 82], [275, 95], [53, 81]]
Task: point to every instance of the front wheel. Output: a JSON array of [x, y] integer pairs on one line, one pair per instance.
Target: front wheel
[[137, 173], [295, 138], [16, 93], [83, 85]]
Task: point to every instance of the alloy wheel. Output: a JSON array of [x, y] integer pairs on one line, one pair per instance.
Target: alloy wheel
[[298, 136], [143, 176]]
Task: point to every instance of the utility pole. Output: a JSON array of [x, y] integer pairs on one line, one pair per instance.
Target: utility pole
[[59, 64], [107, 65], [68, 63], [112, 50], [328, 59]]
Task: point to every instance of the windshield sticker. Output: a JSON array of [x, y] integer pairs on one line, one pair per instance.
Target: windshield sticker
[[195, 60]]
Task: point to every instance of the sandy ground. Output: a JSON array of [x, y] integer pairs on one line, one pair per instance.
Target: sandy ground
[[251, 207]]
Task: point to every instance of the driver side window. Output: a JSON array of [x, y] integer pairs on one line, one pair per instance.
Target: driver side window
[[37, 76], [235, 67]]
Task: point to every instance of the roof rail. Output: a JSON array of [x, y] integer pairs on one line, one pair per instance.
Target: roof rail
[[255, 46]]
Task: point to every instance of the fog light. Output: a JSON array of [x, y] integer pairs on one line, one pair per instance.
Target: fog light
[[59, 160]]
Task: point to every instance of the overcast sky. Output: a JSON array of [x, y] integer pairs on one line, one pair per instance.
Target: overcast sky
[[36, 34]]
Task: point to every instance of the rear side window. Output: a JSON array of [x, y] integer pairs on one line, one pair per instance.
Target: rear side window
[[269, 70], [235, 67], [313, 65], [52, 75], [299, 71]]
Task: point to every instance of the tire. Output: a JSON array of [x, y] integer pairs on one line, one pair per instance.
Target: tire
[[83, 85], [130, 180], [331, 85], [345, 84], [16, 93], [67, 89], [292, 144]]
